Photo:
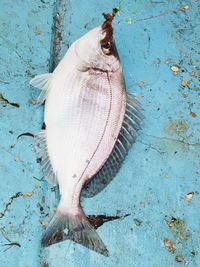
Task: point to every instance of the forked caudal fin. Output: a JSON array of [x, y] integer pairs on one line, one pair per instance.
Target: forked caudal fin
[[79, 231]]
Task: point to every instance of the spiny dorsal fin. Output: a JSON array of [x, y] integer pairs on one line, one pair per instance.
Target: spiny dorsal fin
[[42, 82], [127, 136], [43, 157]]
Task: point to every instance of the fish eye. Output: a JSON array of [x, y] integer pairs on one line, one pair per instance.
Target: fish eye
[[106, 45], [106, 48]]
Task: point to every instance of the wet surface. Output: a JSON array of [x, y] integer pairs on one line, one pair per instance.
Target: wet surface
[[158, 185]]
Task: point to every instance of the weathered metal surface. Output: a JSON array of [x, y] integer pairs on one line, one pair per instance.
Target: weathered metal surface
[[159, 183]]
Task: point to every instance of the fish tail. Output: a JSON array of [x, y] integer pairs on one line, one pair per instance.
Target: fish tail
[[79, 231]]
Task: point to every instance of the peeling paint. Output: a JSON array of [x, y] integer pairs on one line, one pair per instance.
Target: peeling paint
[[5, 102], [177, 227], [178, 127], [8, 204]]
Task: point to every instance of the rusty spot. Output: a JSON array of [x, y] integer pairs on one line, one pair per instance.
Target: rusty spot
[[33, 101], [37, 33], [191, 62], [193, 114], [43, 199], [168, 61], [193, 74], [169, 245], [177, 227], [27, 194], [178, 258], [184, 83], [175, 69], [189, 197], [185, 94], [184, 8]]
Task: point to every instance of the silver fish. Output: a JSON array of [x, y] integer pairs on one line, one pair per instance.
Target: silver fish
[[91, 123]]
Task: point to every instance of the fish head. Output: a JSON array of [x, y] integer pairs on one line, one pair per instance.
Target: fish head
[[97, 50]]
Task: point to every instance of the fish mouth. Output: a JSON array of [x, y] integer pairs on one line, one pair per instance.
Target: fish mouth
[[107, 28]]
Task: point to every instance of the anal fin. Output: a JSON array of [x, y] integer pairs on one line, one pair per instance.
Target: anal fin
[[43, 157]]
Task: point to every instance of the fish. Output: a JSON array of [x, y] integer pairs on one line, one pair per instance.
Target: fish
[[91, 123]]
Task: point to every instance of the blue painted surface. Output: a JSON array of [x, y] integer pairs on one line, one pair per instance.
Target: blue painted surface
[[161, 168]]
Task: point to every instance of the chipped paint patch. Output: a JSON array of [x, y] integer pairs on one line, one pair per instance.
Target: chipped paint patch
[[5, 102], [177, 127], [177, 227], [181, 235]]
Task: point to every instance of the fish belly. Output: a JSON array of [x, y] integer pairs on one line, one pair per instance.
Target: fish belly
[[83, 115]]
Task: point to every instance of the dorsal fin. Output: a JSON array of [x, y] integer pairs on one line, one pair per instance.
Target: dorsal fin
[[127, 136], [42, 82]]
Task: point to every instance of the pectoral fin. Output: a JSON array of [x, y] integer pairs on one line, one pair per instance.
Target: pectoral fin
[[42, 82]]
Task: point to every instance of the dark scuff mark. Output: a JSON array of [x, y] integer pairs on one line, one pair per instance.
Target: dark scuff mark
[[137, 222], [54, 188], [149, 146], [10, 244], [194, 253], [38, 179], [5, 102], [43, 126], [2, 214], [98, 220], [25, 134], [178, 258], [39, 160], [160, 2], [60, 9], [44, 264]]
